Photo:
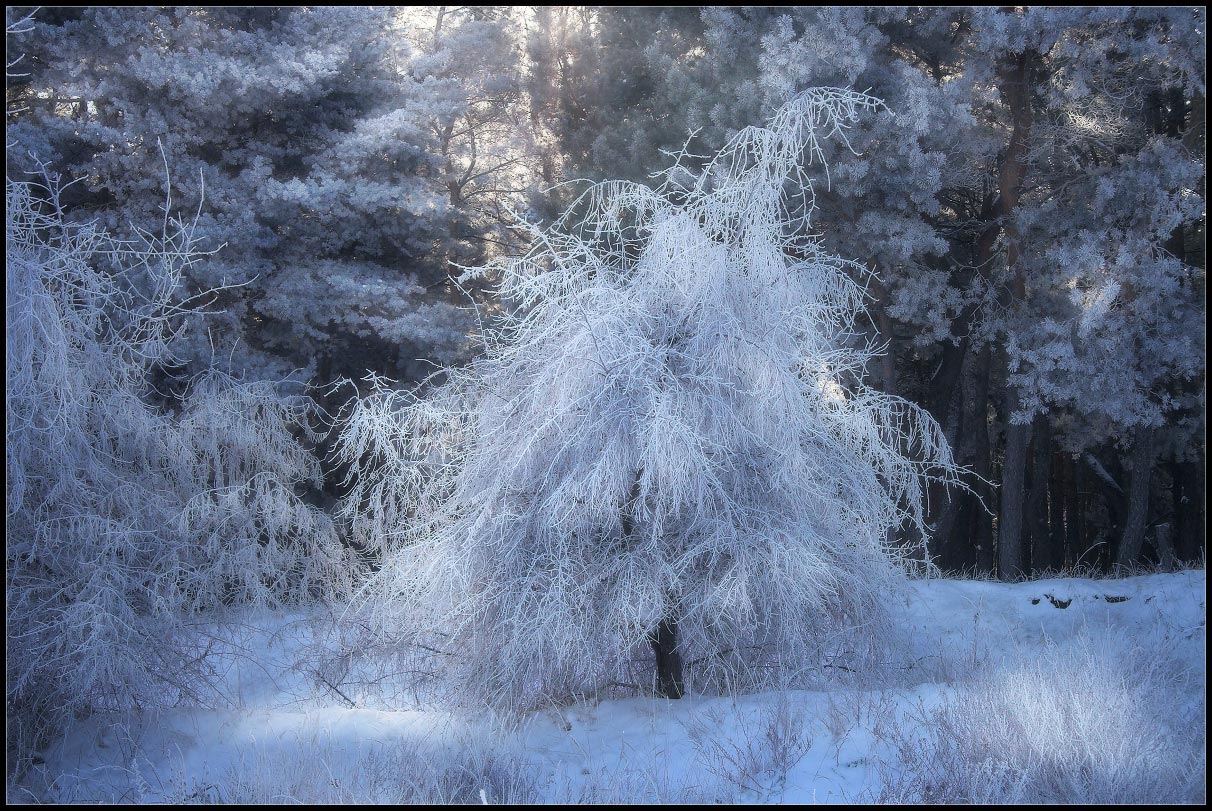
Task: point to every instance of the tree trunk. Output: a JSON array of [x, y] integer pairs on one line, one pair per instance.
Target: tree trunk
[[1188, 494], [1075, 514], [982, 462], [1014, 82], [958, 519], [887, 361], [1165, 549], [664, 641], [944, 502], [969, 516], [1138, 498], [942, 387], [664, 638], [1010, 519], [1037, 500], [1057, 496], [953, 553]]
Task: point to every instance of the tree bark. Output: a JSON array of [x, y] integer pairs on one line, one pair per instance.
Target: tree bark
[[945, 503], [1075, 514], [664, 641], [1138, 498], [1165, 549], [1188, 493], [942, 387], [982, 461], [1058, 497], [1042, 553], [965, 517], [1014, 84], [1010, 519], [887, 361]]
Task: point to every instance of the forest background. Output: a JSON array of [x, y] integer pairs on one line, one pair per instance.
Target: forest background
[[1032, 207]]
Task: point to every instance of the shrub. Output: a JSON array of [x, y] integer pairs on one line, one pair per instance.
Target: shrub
[[1086, 722], [123, 517]]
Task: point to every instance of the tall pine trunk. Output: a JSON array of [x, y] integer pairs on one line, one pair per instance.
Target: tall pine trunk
[[1041, 551], [1076, 528], [965, 523], [1014, 83], [1010, 564], [1058, 497], [887, 361], [982, 461], [1188, 493], [1138, 498]]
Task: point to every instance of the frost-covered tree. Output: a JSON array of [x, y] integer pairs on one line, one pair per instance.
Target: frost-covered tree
[[978, 219], [122, 518], [1008, 120], [469, 59], [615, 85], [1092, 196], [668, 443], [306, 135], [714, 70]]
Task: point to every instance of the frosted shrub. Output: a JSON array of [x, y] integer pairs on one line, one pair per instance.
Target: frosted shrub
[[1087, 723], [121, 517], [667, 443]]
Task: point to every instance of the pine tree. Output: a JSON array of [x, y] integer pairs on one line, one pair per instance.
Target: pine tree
[[305, 137]]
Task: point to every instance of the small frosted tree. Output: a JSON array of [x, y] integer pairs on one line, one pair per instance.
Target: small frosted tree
[[124, 519], [667, 443]]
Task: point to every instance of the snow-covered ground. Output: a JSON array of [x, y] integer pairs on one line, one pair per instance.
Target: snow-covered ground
[[1100, 681]]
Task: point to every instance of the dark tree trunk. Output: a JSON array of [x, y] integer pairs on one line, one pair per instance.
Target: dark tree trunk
[[982, 463], [945, 503], [973, 519], [887, 361], [1037, 501], [664, 638], [1178, 498], [953, 552], [957, 532], [664, 641], [1138, 498], [1165, 549], [942, 387], [1102, 489], [1010, 563], [1075, 514], [1014, 83], [1189, 498], [964, 527], [1057, 496]]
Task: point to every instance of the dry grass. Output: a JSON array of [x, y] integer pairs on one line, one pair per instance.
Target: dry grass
[[1080, 724]]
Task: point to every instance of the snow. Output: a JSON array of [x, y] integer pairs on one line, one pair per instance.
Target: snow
[[1009, 620], [271, 717]]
